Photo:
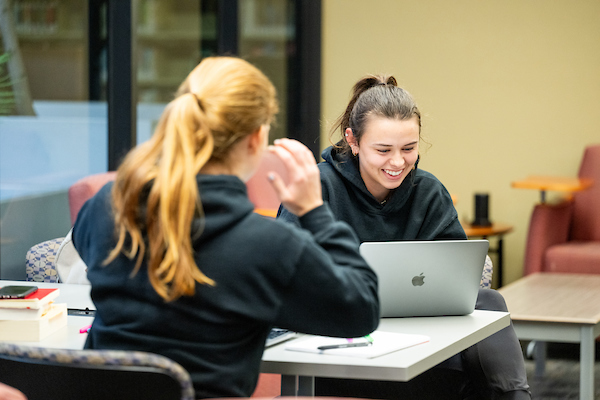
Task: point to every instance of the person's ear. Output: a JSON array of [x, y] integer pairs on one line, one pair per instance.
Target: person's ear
[[350, 137], [351, 141], [259, 139]]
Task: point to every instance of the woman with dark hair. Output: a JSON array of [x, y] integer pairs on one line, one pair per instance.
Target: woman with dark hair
[[181, 265], [370, 180]]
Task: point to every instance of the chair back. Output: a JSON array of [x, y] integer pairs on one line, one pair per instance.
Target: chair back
[[40, 261], [42, 373], [260, 192], [82, 190], [586, 204], [548, 226]]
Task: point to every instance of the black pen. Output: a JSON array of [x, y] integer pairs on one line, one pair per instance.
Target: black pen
[[344, 345]]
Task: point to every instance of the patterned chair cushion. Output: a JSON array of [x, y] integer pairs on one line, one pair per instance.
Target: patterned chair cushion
[[486, 276], [92, 358], [40, 261]]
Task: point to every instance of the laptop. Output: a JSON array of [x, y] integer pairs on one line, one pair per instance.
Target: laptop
[[427, 278], [278, 335]]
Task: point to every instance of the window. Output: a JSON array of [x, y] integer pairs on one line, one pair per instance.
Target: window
[[99, 69]]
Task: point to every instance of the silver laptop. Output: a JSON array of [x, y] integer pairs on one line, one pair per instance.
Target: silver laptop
[[427, 278], [278, 335]]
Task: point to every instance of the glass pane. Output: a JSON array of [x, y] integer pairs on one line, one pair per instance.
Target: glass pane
[[167, 46], [266, 32], [171, 37], [168, 42], [50, 134]]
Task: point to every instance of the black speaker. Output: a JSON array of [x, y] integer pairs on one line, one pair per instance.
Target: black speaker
[[481, 210]]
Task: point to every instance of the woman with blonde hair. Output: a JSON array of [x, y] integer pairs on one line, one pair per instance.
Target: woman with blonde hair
[[179, 263]]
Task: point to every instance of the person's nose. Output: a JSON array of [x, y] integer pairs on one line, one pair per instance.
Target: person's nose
[[397, 160]]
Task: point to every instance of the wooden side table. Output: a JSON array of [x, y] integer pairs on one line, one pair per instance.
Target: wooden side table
[[496, 229], [267, 212], [560, 184]]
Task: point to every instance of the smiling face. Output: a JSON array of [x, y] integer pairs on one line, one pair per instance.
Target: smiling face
[[387, 151]]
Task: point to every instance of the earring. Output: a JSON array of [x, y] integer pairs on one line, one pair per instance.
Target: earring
[[346, 135]]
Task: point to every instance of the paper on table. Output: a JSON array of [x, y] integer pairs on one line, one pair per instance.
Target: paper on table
[[383, 343]]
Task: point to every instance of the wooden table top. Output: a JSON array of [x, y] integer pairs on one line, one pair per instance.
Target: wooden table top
[[560, 184], [266, 212], [492, 230], [554, 297]]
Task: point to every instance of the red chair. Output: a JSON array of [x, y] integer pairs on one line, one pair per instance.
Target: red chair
[[84, 189], [260, 192], [566, 237], [268, 386], [266, 202]]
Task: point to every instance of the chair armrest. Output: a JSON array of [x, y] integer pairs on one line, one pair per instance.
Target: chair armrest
[[549, 225]]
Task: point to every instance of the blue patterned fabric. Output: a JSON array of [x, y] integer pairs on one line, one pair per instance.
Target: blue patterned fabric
[[40, 261], [94, 358], [486, 277]]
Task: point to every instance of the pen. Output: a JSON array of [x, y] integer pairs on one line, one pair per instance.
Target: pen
[[85, 329], [344, 345]]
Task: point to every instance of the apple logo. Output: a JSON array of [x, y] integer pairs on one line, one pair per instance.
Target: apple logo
[[418, 280]]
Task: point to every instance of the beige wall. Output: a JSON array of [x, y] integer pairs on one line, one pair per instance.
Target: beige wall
[[507, 88]]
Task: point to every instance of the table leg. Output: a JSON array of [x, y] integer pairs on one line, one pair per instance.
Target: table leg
[[586, 363], [539, 355], [292, 385], [500, 261], [306, 386], [289, 385]]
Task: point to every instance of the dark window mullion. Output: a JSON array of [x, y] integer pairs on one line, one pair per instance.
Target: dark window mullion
[[228, 28], [95, 46], [304, 111], [120, 89]]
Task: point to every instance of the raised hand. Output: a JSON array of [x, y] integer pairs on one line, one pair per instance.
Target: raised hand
[[10, 393], [302, 193]]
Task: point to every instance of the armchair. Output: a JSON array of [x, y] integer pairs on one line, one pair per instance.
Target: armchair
[[566, 237], [260, 192], [40, 261], [82, 190]]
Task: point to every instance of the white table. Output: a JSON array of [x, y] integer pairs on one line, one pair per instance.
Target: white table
[[77, 297], [67, 337], [448, 336], [80, 308]]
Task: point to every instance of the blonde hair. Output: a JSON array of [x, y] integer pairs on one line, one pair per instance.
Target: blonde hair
[[155, 195]]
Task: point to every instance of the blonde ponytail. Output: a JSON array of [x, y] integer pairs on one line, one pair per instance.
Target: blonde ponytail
[[156, 197]]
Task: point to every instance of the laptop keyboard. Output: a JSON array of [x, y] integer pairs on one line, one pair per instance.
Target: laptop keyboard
[[278, 335]]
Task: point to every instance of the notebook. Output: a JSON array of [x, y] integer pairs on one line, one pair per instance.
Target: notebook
[[380, 343], [427, 278]]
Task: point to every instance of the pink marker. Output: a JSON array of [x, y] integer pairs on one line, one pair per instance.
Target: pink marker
[[85, 329]]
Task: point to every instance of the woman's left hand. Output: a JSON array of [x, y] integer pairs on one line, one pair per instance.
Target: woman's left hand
[[302, 193]]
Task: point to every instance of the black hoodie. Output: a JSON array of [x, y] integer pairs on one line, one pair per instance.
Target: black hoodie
[[267, 273], [420, 209]]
